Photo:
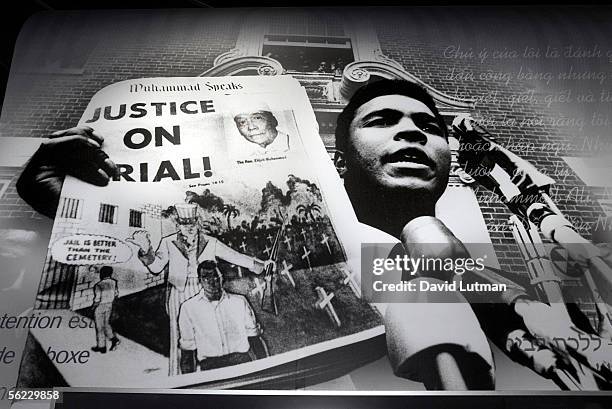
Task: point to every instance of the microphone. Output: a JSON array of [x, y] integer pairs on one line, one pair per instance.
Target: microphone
[[435, 338]]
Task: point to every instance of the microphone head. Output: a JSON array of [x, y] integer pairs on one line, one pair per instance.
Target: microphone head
[[428, 236]]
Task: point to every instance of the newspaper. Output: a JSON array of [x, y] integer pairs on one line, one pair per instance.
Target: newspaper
[[223, 247]]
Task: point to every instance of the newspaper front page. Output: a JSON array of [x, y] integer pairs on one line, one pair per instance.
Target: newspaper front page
[[223, 247]]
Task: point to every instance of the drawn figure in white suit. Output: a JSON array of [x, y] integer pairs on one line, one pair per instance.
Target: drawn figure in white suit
[[182, 252]]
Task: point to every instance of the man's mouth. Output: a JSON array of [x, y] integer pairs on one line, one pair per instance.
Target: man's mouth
[[409, 157]]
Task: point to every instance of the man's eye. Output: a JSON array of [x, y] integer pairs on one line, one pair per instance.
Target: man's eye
[[431, 128], [379, 121]]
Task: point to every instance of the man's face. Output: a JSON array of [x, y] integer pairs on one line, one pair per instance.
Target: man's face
[[188, 230], [256, 127], [212, 284], [396, 143]]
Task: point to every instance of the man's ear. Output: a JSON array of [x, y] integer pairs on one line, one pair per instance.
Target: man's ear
[[340, 163]]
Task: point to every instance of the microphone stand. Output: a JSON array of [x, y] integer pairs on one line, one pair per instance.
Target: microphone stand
[[539, 265], [514, 179], [557, 228]]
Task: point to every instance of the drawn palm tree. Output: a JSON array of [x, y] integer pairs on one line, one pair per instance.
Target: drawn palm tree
[[230, 211], [309, 210]]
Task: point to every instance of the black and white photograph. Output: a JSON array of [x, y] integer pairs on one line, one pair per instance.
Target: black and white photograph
[[259, 132], [329, 199]]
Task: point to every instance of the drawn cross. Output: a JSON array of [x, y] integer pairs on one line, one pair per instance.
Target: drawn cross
[[349, 279], [324, 303], [326, 242], [287, 241], [243, 246], [260, 287], [305, 256], [287, 273], [267, 250]]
